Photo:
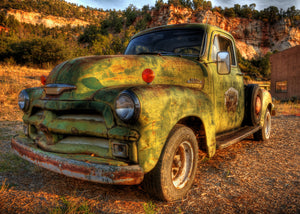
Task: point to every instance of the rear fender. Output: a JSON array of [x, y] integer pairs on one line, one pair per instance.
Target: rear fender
[[266, 104]]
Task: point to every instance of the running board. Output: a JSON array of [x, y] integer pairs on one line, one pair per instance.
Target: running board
[[231, 138]]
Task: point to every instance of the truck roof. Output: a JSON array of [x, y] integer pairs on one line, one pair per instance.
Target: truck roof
[[208, 27]]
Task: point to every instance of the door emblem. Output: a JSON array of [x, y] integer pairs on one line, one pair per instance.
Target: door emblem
[[231, 99]]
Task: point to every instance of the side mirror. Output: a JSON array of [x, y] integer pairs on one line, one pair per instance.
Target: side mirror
[[223, 62]]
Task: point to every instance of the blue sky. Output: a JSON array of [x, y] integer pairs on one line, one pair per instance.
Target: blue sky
[[123, 4]]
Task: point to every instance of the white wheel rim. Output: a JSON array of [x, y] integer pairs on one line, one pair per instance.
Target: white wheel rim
[[182, 165], [268, 125]]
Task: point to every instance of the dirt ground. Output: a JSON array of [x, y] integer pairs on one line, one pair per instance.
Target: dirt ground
[[248, 177]]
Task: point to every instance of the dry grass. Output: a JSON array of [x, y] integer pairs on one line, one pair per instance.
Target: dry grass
[[71, 205], [3, 187], [12, 80], [287, 108]]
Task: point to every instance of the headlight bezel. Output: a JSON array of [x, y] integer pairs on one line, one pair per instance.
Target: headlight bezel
[[135, 104], [23, 100]]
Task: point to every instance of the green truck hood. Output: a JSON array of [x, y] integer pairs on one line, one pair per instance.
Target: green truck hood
[[92, 73]]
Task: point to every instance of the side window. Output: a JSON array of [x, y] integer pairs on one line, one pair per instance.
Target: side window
[[215, 48], [226, 45], [223, 44]]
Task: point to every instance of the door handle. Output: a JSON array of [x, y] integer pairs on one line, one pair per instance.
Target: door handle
[[240, 74]]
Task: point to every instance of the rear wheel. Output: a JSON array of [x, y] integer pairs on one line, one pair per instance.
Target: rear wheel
[[265, 132], [175, 171]]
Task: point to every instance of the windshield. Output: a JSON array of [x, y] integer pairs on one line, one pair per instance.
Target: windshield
[[175, 41]]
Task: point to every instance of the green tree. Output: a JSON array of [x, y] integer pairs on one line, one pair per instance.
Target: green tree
[[2, 17], [143, 22], [130, 14], [39, 51], [293, 15], [103, 45], [90, 34], [159, 4], [270, 14], [246, 12], [176, 3], [6, 42], [263, 65], [217, 9], [48, 51], [12, 23], [115, 22], [229, 12], [237, 9], [186, 3], [197, 4], [207, 5]]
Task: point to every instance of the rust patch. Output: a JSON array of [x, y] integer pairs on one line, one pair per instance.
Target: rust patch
[[74, 131], [24, 152], [43, 128], [123, 175]]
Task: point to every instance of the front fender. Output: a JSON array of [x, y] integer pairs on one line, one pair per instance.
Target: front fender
[[161, 108]]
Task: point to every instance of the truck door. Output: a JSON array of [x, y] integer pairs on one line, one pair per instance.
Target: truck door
[[228, 87]]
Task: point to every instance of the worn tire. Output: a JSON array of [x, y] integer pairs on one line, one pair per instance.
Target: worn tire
[[253, 105], [175, 171], [265, 132]]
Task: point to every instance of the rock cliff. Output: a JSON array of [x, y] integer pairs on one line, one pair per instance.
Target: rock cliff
[[48, 21], [253, 37]]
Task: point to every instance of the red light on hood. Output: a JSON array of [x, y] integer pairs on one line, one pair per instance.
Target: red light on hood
[[148, 75], [43, 79]]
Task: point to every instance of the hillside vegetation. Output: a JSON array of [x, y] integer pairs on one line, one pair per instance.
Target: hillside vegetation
[[108, 32]]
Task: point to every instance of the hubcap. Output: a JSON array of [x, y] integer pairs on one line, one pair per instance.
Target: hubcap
[[182, 164], [257, 105], [268, 125]]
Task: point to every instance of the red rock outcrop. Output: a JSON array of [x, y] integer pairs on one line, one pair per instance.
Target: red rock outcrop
[[48, 21], [253, 37]]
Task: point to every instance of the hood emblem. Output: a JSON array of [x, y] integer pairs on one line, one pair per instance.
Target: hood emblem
[[56, 89], [196, 81]]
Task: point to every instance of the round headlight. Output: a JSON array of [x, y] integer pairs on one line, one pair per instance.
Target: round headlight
[[127, 106], [23, 100]]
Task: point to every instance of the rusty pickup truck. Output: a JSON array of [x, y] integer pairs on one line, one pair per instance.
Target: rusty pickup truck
[[144, 116]]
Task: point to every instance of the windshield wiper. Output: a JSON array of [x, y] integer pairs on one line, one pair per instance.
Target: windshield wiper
[[149, 53], [160, 53]]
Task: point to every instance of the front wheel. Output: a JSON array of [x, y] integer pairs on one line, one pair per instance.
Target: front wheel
[[175, 171], [265, 132]]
